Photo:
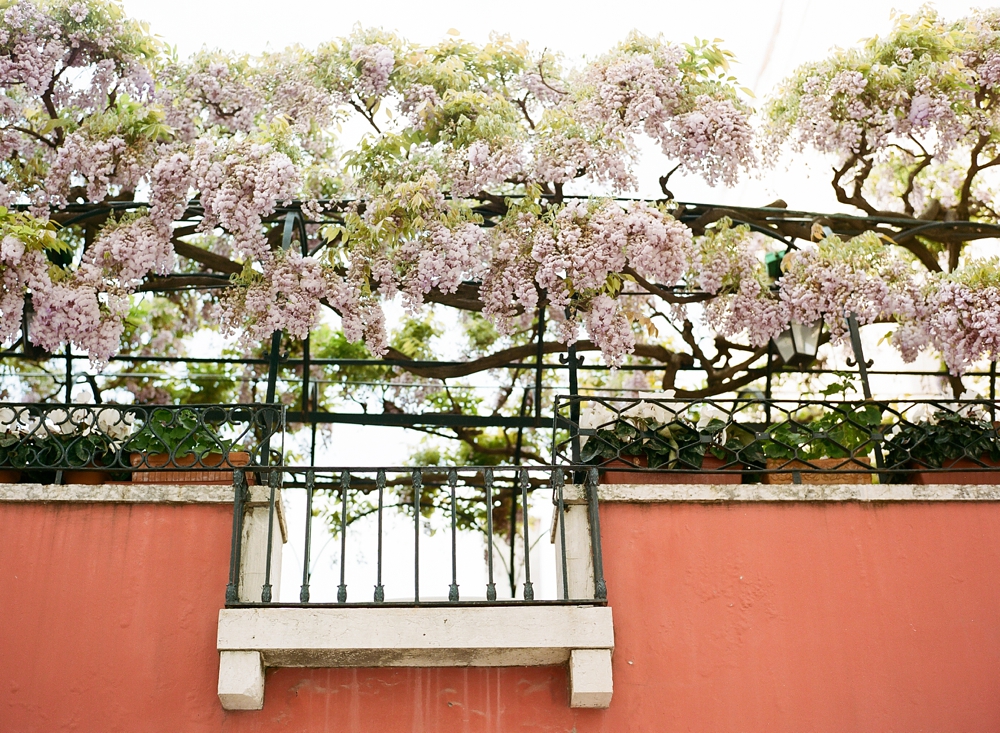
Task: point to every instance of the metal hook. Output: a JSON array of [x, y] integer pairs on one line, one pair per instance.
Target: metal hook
[[564, 359]]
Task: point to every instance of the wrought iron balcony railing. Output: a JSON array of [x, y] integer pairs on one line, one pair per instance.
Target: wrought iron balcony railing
[[498, 512], [494, 506]]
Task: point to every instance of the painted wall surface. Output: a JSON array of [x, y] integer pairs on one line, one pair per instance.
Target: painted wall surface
[[805, 617], [108, 616], [741, 617]]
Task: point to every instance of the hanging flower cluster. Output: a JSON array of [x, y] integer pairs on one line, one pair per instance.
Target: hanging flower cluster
[[955, 313], [211, 90], [74, 312], [649, 86], [72, 79], [240, 181], [825, 280], [730, 266], [23, 265], [576, 256], [288, 298], [833, 278], [411, 240], [961, 315]]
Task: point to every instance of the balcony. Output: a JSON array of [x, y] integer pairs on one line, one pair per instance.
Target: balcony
[[505, 623]]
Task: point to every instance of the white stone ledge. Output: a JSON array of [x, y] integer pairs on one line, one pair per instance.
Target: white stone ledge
[[129, 493], [662, 493], [494, 636], [416, 637]]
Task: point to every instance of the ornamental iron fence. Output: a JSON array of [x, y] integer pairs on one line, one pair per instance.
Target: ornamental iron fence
[[739, 440], [45, 441]]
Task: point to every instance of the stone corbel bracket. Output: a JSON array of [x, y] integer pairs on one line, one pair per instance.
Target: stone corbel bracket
[[251, 639]]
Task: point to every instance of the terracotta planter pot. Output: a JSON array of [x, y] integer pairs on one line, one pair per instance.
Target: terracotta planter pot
[[236, 459], [822, 471], [81, 476], [731, 475], [982, 476], [10, 476]]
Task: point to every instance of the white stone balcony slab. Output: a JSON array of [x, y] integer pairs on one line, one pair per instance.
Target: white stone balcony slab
[[251, 639]]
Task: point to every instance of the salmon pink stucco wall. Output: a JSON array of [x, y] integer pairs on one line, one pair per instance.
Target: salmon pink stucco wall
[[108, 621], [108, 616], [728, 617], [810, 616]]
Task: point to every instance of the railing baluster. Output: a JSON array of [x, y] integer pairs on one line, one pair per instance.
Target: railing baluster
[[236, 549], [529, 591], [380, 486], [265, 592], [306, 572], [513, 536], [453, 590], [557, 482], [491, 588], [418, 487], [345, 484], [600, 588]]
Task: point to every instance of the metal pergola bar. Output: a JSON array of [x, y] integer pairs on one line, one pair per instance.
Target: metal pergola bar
[[419, 364]]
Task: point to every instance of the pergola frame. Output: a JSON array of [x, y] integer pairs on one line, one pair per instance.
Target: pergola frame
[[288, 222]]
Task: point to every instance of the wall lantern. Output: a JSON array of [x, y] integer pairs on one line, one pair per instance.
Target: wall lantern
[[798, 344], [772, 261]]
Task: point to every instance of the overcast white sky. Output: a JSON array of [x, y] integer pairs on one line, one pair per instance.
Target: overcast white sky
[[769, 37]]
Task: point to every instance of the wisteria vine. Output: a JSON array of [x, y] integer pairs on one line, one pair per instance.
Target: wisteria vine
[[467, 176]]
